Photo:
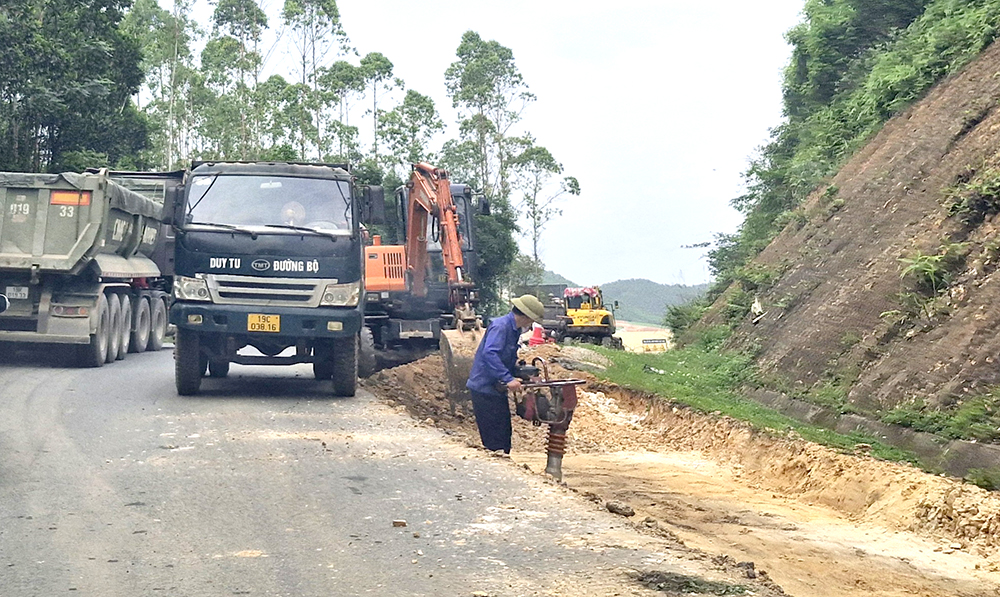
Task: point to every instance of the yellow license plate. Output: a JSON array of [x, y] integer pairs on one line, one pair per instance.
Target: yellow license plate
[[257, 322]]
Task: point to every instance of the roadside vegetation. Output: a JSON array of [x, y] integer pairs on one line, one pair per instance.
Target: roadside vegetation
[[705, 374], [855, 64], [705, 377]]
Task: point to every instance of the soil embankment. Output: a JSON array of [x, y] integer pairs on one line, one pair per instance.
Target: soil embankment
[[821, 523]]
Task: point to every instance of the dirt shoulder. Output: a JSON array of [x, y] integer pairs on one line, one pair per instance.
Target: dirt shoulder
[[819, 522]]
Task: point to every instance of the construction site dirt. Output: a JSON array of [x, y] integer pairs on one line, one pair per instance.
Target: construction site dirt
[[820, 523]]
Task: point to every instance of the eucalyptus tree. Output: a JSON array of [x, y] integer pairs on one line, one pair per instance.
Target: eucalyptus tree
[[407, 130], [537, 168], [222, 123], [377, 71], [340, 84], [235, 62], [490, 94], [316, 31], [166, 38]]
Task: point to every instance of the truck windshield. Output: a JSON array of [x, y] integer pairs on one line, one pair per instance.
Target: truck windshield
[[320, 204]]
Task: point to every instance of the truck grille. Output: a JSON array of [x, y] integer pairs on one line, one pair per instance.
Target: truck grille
[[272, 292]]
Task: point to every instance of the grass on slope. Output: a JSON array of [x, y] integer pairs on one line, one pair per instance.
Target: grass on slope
[[707, 380]]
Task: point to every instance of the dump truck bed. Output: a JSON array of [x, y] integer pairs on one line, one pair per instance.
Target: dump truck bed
[[64, 222]]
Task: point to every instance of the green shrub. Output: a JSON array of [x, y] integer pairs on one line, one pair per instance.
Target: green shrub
[[974, 199], [987, 478], [934, 273], [737, 306], [680, 317], [976, 418]]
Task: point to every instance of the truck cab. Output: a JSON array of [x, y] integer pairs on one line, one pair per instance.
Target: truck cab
[[268, 271]]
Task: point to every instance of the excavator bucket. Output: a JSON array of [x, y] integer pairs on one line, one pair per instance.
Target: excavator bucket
[[458, 349]]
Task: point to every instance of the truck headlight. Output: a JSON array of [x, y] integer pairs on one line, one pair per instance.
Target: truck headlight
[[341, 295], [191, 289]]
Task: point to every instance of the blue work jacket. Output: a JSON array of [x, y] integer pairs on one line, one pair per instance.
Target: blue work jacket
[[496, 357]]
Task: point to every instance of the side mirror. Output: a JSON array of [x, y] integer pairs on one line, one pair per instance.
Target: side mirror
[[484, 206], [4, 303], [373, 206], [170, 200], [616, 304]]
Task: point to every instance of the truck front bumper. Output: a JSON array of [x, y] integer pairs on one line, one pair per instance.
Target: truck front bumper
[[293, 322]]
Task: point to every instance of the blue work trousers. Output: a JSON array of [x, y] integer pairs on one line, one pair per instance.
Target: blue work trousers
[[493, 419]]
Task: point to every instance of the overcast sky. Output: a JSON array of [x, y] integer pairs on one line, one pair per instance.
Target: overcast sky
[[655, 106]]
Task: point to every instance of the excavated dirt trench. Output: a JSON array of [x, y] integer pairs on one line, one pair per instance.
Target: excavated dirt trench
[[821, 523]]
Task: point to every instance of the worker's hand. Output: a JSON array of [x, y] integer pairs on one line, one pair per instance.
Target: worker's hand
[[514, 386]]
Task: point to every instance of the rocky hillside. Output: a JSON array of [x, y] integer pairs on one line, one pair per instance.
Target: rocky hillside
[[882, 289]]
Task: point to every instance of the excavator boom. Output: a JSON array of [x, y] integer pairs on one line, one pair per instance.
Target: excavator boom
[[430, 197]]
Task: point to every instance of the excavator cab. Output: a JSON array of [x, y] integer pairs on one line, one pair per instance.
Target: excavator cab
[[416, 289]]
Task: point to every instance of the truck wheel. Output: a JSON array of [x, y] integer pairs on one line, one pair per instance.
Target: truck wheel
[[158, 325], [366, 356], [140, 335], [322, 362], [115, 331], [218, 368], [126, 331], [94, 354], [345, 366], [188, 366]]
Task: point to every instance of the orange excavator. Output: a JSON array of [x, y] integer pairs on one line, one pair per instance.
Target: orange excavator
[[421, 292]]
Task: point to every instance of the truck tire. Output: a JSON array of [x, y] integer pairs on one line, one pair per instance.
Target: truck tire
[[188, 367], [115, 331], [140, 335], [218, 368], [126, 332], [94, 354], [367, 363], [158, 324], [345, 366], [322, 362]]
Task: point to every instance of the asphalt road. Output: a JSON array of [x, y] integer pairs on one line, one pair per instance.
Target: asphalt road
[[112, 485]]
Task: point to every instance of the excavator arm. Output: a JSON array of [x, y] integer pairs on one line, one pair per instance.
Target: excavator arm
[[430, 198]]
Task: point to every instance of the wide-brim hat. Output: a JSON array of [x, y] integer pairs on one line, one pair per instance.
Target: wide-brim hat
[[530, 306]]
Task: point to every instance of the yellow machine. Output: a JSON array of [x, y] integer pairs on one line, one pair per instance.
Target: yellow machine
[[587, 319]]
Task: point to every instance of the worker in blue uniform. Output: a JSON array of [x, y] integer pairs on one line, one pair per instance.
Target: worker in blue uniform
[[492, 376]]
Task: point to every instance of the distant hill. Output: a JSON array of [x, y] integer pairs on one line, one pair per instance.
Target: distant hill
[[645, 301], [554, 278]]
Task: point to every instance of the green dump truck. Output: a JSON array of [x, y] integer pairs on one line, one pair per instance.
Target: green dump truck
[[83, 261]]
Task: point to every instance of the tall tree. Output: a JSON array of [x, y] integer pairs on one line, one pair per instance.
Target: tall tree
[[340, 83], [166, 38], [67, 75], [537, 167], [316, 31], [377, 71], [490, 95], [407, 130], [236, 61]]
